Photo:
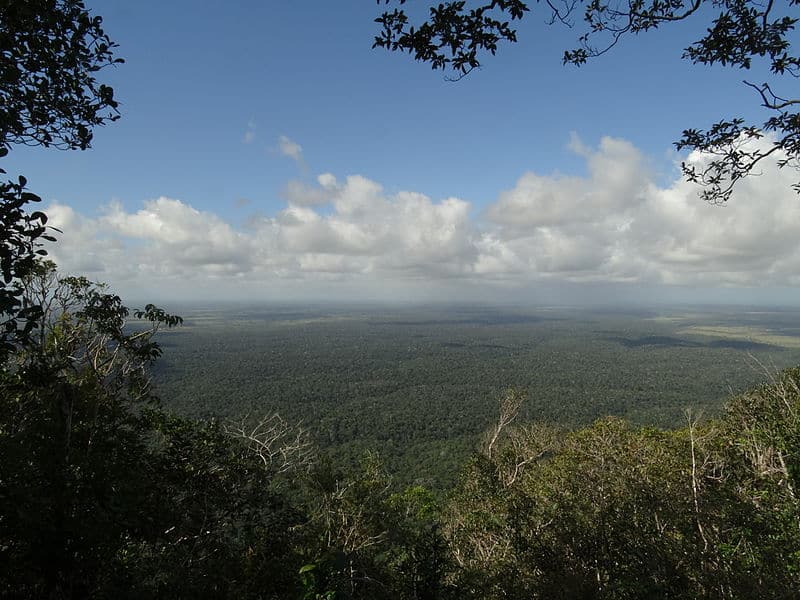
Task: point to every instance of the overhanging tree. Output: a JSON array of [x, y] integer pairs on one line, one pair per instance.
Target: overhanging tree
[[457, 35], [50, 53]]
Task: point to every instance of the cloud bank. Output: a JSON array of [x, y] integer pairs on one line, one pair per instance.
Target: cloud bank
[[614, 225]]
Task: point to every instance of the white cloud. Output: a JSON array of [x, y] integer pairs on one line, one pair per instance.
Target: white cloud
[[327, 181], [300, 193], [616, 224], [613, 225], [290, 148], [166, 238], [617, 180]]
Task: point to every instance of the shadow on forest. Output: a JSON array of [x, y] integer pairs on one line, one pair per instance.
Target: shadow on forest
[[672, 342]]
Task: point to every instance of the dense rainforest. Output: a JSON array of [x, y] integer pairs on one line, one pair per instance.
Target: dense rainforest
[[419, 384]]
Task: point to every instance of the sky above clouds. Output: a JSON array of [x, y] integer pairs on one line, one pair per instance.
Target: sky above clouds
[[265, 152]]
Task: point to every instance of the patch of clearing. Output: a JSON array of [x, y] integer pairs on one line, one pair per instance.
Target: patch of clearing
[[674, 318], [311, 321], [751, 334]]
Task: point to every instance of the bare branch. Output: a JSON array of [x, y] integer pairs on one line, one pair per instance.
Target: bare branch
[[528, 444], [563, 17], [667, 17], [509, 408], [278, 444], [769, 98], [692, 428]]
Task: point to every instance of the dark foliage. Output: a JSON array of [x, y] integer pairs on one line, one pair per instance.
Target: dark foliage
[[456, 34], [50, 53]]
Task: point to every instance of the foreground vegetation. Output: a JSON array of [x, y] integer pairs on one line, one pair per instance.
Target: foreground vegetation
[[103, 493]]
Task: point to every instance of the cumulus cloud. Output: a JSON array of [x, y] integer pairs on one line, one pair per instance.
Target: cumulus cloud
[[613, 225], [165, 239], [300, 193], [178, 236], [616, 224], [372, 232], [617, 180]]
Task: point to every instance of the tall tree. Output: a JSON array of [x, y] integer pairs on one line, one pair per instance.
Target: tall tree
[[457, 34]]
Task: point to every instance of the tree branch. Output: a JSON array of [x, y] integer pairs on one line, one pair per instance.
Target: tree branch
[[278, 444]]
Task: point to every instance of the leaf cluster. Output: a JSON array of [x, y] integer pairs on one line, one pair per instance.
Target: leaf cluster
[[50, 53], [21, 236], [453, 36]]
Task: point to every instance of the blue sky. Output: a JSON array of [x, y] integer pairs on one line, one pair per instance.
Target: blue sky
[[226, 105]]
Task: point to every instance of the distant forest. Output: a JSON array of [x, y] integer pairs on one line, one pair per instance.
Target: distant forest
[[419, 385]]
